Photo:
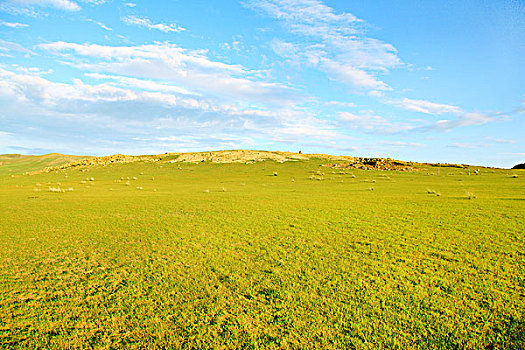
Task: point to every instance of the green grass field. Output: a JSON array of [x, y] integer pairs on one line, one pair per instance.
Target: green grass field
[[17, 163], [230, 256]]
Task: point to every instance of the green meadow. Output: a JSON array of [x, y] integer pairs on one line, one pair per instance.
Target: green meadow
[[16, 163], [293, 255]]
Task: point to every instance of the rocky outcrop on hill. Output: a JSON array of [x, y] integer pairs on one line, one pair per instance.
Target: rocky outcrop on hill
[[374, 163]]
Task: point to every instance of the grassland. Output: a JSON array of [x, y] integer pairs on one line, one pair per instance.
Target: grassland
[[267, 255], [18, 163]]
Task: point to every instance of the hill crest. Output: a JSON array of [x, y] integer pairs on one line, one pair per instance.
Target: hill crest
[[19, 164]]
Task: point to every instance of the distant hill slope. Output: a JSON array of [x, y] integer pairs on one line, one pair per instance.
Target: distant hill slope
[[519, 166], [19, 164], [240, 156]]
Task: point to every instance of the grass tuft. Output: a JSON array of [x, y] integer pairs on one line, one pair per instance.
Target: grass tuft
[[55, 189]]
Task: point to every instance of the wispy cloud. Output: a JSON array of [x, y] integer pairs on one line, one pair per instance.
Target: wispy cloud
[[13, 24], [424, 106], [19, 10], [7, 46], [363, 121], [65, 5], [341, 104], [371, 122], [500, 140], [100, 24], [30, 70], [465, 119], [298, 132], [94, 2], [352, 76], [463, 145], [462, 118], [403, 144], [142, 84], [145, 22], [336, 43]]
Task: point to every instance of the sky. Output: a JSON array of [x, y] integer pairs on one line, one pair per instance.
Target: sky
[[421, 80]]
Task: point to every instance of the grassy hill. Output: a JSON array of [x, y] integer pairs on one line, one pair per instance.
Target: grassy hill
[[202, 251], [18, 163]]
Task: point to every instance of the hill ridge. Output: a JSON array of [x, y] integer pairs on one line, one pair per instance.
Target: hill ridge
[[34, 164], [242, 156]]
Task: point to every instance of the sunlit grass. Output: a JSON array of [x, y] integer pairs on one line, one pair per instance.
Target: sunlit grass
[[238, 256]]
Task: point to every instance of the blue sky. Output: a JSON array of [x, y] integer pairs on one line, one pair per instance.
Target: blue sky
[[436, 81]]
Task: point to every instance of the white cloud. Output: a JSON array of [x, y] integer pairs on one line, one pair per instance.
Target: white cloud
[[462, 119], [39, 91], [27, 93], [306, 15], [103, 26], [338, 68], [335, 42], [465, 145], [341, 104], [163, 51], [376, 93], [145, 22], [369, 121], [403, 144], [19, 11], [65, 5], [424, 106], [100, 24], [95, 2], [299, 132], [30, 70], [466, 119], [284, 49], [352, 76], [363, 120], [153, 110], [13, 24], [189, 69], [142, 83], [7, 46], [499, 140]]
